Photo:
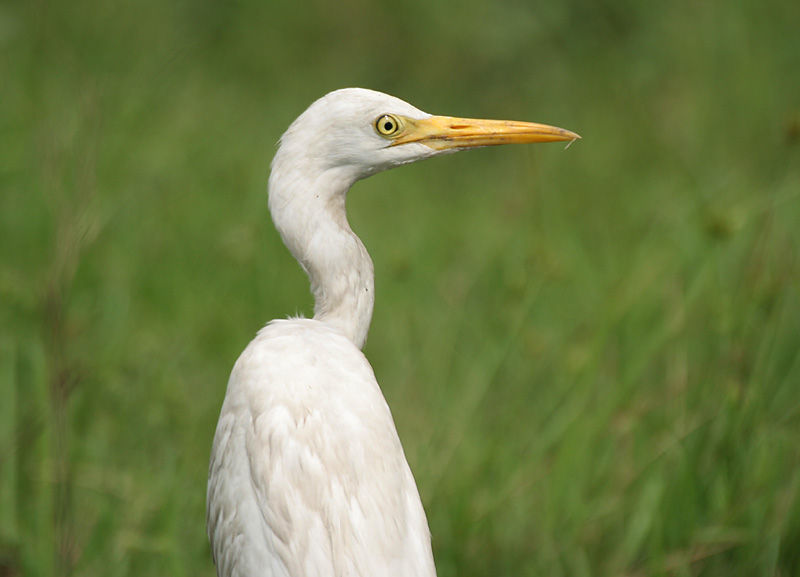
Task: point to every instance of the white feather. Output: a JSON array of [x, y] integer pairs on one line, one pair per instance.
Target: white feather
[[308, 476]]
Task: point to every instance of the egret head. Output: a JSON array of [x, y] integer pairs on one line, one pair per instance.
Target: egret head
[[344, 136], [356, 132]]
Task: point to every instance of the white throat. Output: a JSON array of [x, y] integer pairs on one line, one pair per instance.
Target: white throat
[[311, 218]]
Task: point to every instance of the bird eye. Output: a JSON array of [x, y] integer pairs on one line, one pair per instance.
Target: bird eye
[[387, 125]]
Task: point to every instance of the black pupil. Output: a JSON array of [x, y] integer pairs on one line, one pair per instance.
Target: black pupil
[[387, 126]]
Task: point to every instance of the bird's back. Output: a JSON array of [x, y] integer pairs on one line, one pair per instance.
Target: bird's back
[[307, 473]]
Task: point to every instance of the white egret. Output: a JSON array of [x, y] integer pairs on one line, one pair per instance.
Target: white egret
[[307, 474]]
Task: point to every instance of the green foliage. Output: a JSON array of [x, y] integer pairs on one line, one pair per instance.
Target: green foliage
[[593, 356]]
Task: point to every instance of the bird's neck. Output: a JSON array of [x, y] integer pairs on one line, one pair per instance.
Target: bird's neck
[[312, 221]]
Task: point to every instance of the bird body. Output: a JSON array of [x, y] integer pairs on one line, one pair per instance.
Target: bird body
[[307, 451], [307, 474]]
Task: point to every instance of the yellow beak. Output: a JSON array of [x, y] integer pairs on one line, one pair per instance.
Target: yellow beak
[[447, 132]]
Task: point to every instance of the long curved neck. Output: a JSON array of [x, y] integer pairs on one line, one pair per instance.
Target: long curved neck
[[310, 215]]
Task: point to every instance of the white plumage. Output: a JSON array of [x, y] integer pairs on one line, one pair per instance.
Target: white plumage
[[307, 474]]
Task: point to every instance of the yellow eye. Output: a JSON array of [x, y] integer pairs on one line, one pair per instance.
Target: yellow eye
[[387, 125]]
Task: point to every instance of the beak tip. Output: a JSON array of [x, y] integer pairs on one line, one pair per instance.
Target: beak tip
[[572, 137]]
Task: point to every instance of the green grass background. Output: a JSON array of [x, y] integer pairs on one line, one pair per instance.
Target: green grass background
[[592, 355]]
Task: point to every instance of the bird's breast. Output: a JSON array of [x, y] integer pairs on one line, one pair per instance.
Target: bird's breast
[[311, 442]]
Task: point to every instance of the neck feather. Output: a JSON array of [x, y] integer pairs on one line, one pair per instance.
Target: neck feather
[[312, 221]]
